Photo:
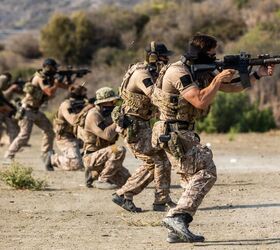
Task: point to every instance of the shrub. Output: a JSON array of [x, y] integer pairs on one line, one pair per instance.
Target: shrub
[[75, 39], [9, 60], [20, 177], [234, 112], [23, 73], [25, 45]]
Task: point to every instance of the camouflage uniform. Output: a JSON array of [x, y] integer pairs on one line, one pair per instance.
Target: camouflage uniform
[[102, 157], [194, 161], [33, 99], [11, 125], [66, 141], [135, 91]]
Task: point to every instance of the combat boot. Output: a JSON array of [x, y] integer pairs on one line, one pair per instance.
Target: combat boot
[[104, 185], [125, 203], [88, 178], [172, 237], [46, 158], [164, 207], [8, 159], [179, 225], [118, 199]]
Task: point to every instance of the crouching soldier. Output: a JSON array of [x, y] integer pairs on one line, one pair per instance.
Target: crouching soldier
[[64, 123], [102, 157]]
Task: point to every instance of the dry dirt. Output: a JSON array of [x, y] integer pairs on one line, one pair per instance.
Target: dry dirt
[[242, 211]]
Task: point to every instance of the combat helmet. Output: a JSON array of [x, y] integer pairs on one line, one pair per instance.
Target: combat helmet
[[105, 94]]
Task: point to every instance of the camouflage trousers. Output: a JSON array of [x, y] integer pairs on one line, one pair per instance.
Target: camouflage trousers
[[194, 164], [155, 167], [106, 165], [11, 127], [26, 124], [71, 158]]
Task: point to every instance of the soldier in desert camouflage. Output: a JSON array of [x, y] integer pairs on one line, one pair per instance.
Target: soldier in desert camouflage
[[7, 90], [182, 98], [42, 87], [133, 119], [102, 157], [65, 121]]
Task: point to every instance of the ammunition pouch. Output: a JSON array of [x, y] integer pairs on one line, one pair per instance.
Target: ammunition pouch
[[20, 113], [131, 132], [121, 119], [176, 136]]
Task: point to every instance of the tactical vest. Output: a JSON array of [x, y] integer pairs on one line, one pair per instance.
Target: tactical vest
[[173, 107], [133, 103], [35, 97], [92, 142], [62, 128]]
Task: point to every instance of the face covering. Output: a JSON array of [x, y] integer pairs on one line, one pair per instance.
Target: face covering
[[205, 58], [107, 110], [199, 57]]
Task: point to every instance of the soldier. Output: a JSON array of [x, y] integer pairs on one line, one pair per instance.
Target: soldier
[[102, 157], [41, 88], [7, 91], [182, 99], [133, 118], [64, 124]]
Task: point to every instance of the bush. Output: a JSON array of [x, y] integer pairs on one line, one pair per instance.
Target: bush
[[234, 112], [75, 39], [9, 60], [20, 177], [25, 45], [23, 73]]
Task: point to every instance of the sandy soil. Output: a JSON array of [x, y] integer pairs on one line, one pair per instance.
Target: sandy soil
[[242, 211]]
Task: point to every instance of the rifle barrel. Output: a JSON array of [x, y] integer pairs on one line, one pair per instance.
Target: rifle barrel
[[264, 61]]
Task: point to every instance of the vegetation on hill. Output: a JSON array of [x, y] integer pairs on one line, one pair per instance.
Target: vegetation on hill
[[110, 38]]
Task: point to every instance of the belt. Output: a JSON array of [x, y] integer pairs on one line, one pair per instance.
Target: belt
[[180, 125]]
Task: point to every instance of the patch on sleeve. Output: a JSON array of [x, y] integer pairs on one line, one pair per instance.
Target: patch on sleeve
[[102, 125], [186, 80], [148, 82]]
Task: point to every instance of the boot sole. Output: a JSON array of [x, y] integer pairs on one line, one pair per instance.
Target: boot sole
[[121, 205], [181, 235], [177, 232]]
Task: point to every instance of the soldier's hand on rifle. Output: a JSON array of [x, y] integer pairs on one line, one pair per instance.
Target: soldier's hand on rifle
[[265, 70], [14, 87], [60, 84], [225, 76]]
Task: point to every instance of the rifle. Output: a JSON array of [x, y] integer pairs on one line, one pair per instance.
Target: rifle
[[79, 73], [5, 103], [20, 84], [242, 62]]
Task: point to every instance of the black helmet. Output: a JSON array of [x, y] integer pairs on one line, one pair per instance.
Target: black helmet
[[158, 48], [50, 62]]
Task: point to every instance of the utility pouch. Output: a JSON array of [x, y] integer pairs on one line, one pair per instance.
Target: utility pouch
[[176, 146], [20, 113], [131, 134]]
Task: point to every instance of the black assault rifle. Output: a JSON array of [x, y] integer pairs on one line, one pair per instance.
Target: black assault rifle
[[68, 73], [5, 102], [20, 84], [242, 62]]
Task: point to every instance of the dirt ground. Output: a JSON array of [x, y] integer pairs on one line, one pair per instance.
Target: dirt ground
[[242, 211]]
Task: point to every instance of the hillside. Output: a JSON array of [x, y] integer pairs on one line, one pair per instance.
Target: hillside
[[17, 16]]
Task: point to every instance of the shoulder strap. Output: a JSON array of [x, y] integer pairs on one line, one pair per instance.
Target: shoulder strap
[[129, 73]]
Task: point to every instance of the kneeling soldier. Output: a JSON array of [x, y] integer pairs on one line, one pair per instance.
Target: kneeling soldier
[[64, 124], [102, 157]]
